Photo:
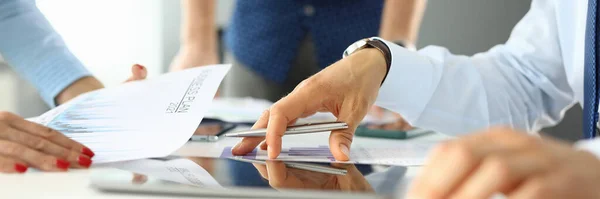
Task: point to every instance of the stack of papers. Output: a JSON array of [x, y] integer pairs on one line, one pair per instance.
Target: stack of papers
[[141, 119]]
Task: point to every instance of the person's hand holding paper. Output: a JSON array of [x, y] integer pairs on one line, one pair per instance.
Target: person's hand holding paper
[[347, 89], [25, 144]]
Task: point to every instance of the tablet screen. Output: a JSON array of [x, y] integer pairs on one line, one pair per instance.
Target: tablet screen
[[228, 177]]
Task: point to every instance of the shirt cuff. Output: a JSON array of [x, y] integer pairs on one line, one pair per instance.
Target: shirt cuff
[[409, 84], [592, 146]]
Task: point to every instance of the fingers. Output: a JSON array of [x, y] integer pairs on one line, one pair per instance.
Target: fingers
[[139, 178], [32, 157], [501, 173], [339, 144], [377, 111], [76, 159], [138, 72], [341, 140], [51, 135], [262, 170], [537, 188], [279, 176], [451, 161], [353, 180], [48, 141], [283, 112], [263, 145], [471, 157], [248, 144], [11, 165]]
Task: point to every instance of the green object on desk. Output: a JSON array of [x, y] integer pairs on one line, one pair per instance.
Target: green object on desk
[[379, 133]]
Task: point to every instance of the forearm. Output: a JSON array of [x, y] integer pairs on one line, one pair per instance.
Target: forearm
[[31, 46], [83, 85], [520, 84], [401, 20], [198, 27]]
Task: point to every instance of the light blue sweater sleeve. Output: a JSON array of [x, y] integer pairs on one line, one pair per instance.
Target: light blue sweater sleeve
[[30, 45]]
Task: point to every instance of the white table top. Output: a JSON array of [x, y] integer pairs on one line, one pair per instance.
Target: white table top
[[75, 183]]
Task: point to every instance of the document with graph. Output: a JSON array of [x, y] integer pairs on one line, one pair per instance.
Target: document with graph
[[141, 119]]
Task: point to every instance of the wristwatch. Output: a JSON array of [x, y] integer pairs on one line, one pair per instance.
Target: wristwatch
[[372, 42]]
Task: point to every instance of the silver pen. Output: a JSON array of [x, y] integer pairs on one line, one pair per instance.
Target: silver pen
[[297, 165], [293, 130]]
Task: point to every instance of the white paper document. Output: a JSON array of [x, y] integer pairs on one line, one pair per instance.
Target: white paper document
[[140, 119], [184, 171]]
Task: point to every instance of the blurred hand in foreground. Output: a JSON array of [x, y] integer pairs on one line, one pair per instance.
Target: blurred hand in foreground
[[502, 160]]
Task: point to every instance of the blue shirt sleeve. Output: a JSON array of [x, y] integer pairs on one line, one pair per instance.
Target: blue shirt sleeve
[[29, 44]]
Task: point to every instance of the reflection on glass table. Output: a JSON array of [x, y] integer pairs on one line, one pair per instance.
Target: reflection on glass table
[[176, 176]]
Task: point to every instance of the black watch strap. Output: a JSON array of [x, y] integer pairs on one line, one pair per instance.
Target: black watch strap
[[387, 54]]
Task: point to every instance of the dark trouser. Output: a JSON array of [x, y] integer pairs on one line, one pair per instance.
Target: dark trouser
[[241, 81]]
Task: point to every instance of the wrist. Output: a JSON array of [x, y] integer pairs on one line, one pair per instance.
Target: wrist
[[374, 43], [199, 45], [200, 38], [83, 85], [371, 61]]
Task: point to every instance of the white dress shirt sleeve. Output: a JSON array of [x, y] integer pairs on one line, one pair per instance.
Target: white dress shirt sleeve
[[521, 83], [592, 146]]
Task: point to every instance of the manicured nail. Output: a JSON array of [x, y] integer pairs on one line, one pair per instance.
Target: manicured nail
[[139, 66], [84, 161], [345, 150], [88, 152], [62, 164], [20, 168]]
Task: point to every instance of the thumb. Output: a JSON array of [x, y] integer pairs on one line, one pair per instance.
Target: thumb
[[138, 72], [340, 141]]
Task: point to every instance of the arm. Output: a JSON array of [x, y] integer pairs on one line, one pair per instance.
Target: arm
[[199, 42], [38, 53], [521, 83], [401, 20]]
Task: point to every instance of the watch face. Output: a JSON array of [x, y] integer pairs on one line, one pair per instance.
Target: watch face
[[355, 46]]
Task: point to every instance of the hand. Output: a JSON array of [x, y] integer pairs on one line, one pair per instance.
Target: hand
[[281, 177], [138, 72], [399, 125], [346, 89], [139, 178], [192, 56], [502, 160], [26, 144], [88, 84]]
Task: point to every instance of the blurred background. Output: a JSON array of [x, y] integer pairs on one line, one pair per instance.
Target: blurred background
[[111, 35]]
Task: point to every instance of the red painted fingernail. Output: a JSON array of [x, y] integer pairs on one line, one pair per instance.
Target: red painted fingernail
[[20, 168], [84, 161], [62, 164], [88, 152], [140, 66]]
